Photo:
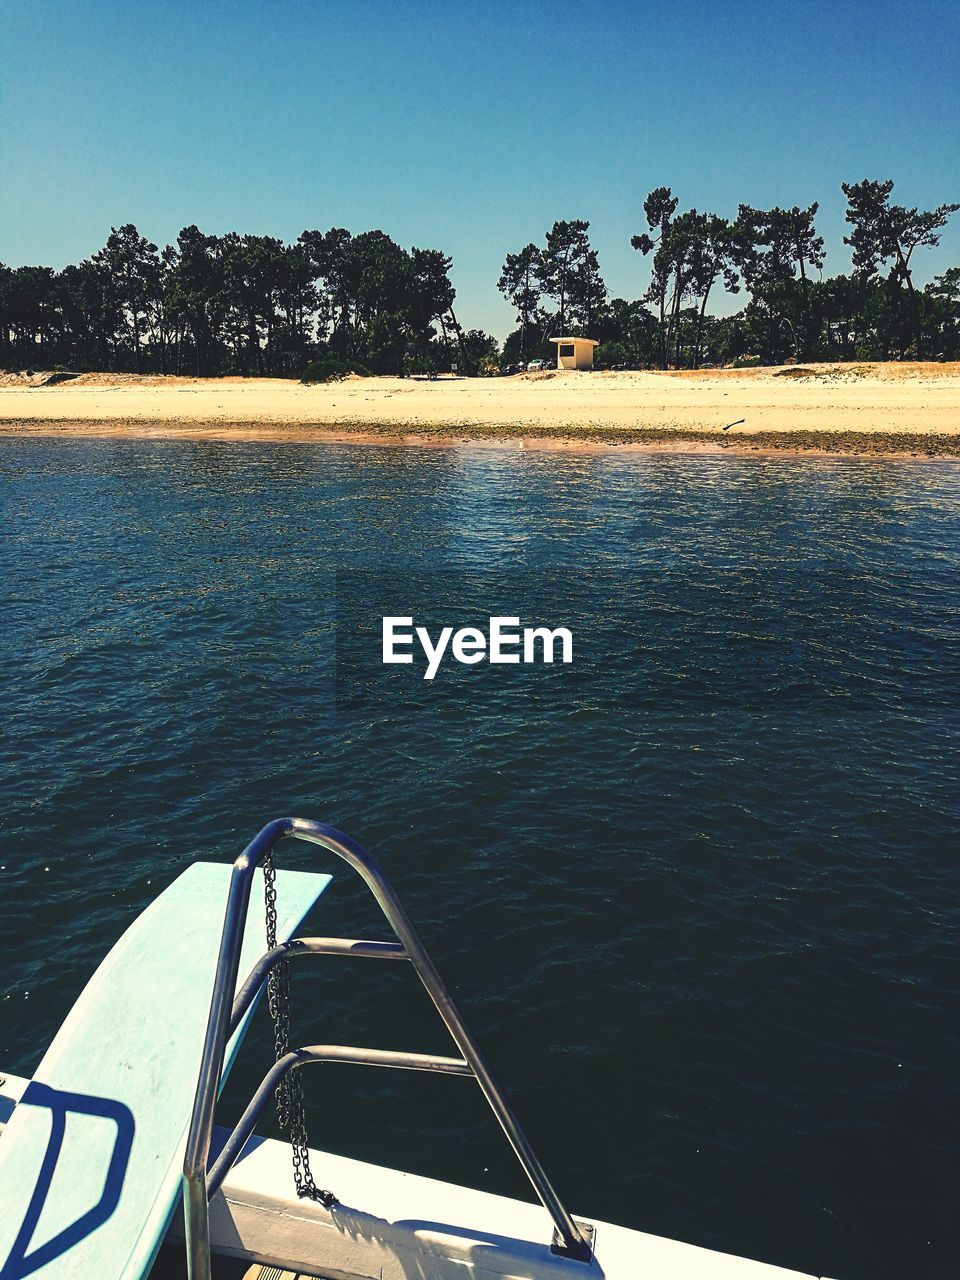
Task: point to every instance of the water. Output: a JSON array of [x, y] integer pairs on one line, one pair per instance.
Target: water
[[698, 894]]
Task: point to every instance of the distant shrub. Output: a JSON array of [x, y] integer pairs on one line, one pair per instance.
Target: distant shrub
[[746, 362], [332, 370]]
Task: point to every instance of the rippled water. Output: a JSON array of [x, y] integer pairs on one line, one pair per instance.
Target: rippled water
[[698, 894]]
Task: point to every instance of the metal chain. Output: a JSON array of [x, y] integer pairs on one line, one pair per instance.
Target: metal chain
[[291, 1112]]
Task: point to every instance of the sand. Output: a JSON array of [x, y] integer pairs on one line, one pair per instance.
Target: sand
[[888, 409]]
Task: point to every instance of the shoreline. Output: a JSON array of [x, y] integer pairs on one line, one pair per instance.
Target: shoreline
[[909, 411], [879, 446]]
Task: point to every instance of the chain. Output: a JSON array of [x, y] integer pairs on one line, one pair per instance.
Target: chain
[[291, 1113]]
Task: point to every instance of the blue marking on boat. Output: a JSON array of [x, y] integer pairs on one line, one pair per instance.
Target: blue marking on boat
[[91, 1159]]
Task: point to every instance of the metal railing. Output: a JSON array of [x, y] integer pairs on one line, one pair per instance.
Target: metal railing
[[570, 1238]]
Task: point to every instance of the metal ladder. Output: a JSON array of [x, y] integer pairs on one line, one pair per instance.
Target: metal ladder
[[571, 1239]]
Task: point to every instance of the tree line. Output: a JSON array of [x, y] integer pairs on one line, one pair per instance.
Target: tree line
[[775, 256], [252, 304], [246, 304]]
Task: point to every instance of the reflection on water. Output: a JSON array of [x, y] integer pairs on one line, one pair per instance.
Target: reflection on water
[[700, 904]]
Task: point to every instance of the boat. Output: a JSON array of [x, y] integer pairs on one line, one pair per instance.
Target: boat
[[110, 1150]]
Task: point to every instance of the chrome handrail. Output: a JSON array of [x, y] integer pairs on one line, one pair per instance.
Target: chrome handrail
[[296, 1058], [306, 947], [569, 1234]]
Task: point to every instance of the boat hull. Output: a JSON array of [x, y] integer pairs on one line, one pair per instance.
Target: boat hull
[[391, 1225]]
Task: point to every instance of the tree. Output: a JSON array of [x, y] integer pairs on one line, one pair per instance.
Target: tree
[[776, 250], [628, 336], [587, 294], [520, 283], [88, 317], [891, 233], [481, 350], [131, 271], [942, 299], [520, 348], [296, 303], [195, 283], [883, 232], [711, 256], [691, 252], [567, 271], [839, 308], [328, 253], [30, 313], [659, 208], [430, 298]]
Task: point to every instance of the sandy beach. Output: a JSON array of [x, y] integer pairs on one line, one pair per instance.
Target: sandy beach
[[888, 409]]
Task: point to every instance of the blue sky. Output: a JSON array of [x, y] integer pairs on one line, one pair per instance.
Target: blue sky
[[466, 127]]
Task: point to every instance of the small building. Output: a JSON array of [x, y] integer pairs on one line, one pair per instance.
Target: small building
[[575, 353]]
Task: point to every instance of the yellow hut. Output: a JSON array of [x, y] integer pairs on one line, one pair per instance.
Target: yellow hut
[[575, 353]]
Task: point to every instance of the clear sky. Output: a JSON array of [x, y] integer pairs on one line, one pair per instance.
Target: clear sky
[[465, 127]]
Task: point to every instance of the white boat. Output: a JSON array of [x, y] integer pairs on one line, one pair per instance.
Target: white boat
[[110, 1149]]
